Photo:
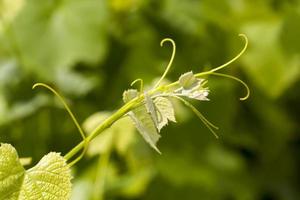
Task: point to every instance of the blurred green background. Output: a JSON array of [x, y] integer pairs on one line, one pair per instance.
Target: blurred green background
[[90, 50]]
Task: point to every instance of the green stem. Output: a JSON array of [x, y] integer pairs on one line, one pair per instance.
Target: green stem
[[106, 124], [157, 88], [117, 115], [110, 120]]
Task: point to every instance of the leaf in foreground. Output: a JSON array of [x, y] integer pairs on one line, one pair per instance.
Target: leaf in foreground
[[50, 179]]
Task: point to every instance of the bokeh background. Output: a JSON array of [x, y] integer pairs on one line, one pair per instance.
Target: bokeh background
[[91, 50]]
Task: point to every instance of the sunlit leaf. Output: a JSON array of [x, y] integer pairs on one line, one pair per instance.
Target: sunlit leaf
[[188, 81], [12, 173], [142, 117], [192, 87], [145, 125], [49, 179], [129, 95]]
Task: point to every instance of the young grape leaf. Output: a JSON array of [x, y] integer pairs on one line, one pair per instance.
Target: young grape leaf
[[150, 117], [142, 118], [145, 125], [129, 95], [50, 179], [165, 111], [188, 81], [192, 87]]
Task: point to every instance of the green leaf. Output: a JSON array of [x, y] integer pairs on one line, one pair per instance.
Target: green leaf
[[145, 125], [58, 34], [11, 173], [165, 111], [144, 118], [188, 81], [192, 87], [129, 95], [49, 179], [150, 117]]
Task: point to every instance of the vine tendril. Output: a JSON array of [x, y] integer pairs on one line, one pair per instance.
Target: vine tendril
[[207, 123], [236, 57], [71, 115], [236, 79], [171, 59], [158, 90], [141, 83], [213, 71]]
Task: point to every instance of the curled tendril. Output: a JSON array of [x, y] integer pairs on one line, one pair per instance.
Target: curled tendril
[[236, 57], [238, 80], [171, 59], [71, 115], [207, 123], [213, 71], [141, 83]]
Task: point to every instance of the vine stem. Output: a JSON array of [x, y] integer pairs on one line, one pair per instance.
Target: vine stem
[[157, 88], [110, 121], [104, 125], [121, 112]]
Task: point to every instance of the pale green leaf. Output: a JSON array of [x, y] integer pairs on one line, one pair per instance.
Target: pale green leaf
[[192, 87], [11, 173], [143, 121], [58, 34], [50, 179], [145, 125], [129, 95], [165, 111], [188, 81], [146, 116], [195, 94]]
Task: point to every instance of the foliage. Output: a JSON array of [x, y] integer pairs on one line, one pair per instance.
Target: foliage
[[91, 50], [49, 179]]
